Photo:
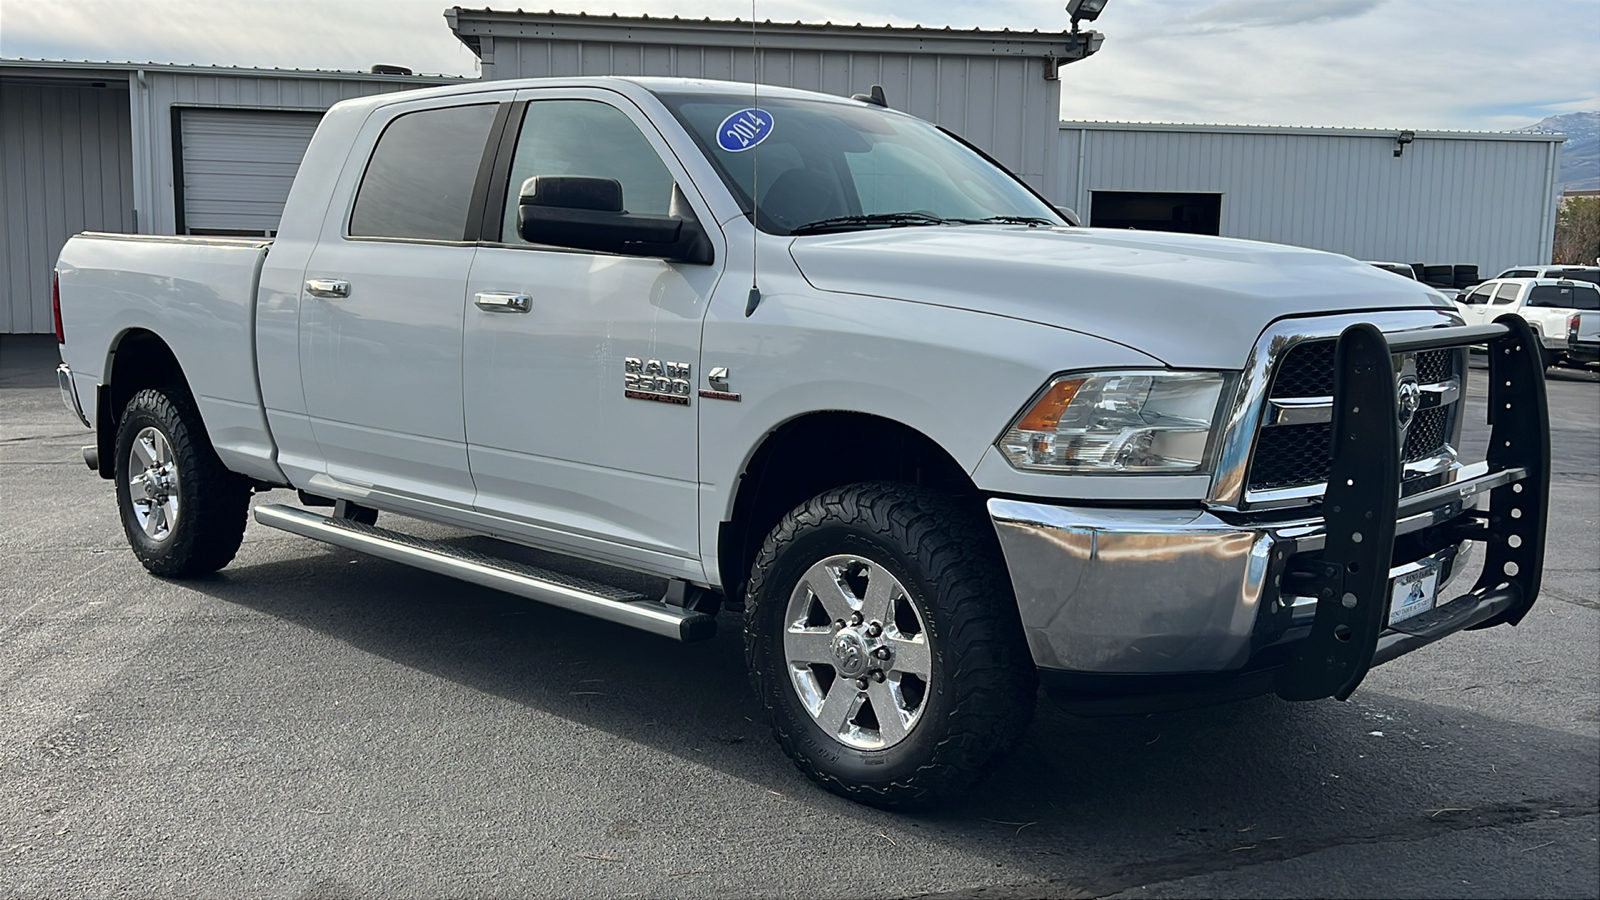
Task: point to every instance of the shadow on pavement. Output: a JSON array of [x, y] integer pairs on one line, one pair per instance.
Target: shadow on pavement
[[1089, 797]]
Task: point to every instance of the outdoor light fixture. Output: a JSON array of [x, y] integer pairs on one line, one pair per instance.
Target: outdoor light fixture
[[1401, 140], [1086, 10]]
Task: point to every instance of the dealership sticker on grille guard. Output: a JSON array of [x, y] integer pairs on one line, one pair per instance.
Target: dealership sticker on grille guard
[[1413, 593]]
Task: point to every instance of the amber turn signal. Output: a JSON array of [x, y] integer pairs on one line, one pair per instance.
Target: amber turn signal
[[1046, 413]]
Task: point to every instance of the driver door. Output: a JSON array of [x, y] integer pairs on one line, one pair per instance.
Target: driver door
[[559, 446]]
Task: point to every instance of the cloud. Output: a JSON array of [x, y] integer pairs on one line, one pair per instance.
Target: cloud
[[1236, 14], [1421, 64]]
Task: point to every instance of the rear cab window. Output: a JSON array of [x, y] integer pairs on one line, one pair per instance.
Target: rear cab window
[[1589, 276], [1506, 294], [419, 181], [1565, 296]]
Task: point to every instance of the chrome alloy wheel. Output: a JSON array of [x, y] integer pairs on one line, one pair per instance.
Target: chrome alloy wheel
[[857, 652], [153, 484]]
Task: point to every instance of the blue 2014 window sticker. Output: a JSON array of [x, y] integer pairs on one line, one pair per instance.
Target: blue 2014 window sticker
[[744, 129]]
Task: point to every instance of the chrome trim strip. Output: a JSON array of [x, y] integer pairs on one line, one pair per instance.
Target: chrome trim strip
[[1298, 411], [622, 607], [1317, 410], [1442, 393], [1431, 465], [1250, 398], [69, 393]]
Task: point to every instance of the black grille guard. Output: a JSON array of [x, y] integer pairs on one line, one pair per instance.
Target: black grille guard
[[1349, 635]]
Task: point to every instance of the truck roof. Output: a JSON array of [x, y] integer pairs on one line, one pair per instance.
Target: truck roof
[[626, 84]]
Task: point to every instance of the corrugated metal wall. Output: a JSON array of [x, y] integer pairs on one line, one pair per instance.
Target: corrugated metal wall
[[64, 168], [1004, 104], [162, 90], [1479, 199]]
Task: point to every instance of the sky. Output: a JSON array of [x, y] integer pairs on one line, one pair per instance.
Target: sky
[[1475, 65]]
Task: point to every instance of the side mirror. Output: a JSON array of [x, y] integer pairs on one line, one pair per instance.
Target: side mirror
[[587, 214], [1068, 213]]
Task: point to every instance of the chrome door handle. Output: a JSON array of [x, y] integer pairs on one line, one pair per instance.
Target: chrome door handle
[[327, 287], [496, 301]]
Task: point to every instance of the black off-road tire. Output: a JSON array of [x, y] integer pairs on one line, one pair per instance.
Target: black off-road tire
[[212, 501], [984, 685]]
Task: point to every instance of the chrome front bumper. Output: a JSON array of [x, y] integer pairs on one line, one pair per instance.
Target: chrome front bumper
[[1147, 591], [69, 393]]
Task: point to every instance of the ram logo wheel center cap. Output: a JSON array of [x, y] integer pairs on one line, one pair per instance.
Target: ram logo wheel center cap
[[1409, 395], [850, 654]]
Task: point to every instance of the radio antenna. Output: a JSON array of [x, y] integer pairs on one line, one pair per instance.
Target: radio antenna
[[754, 300]]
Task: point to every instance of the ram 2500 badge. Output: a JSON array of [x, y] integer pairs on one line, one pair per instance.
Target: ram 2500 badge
[[936, 444]]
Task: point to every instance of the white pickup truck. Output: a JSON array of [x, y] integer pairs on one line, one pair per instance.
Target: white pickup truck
[[1545, 303], [823, 362]]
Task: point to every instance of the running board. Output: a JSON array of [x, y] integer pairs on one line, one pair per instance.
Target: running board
[[580, 595]]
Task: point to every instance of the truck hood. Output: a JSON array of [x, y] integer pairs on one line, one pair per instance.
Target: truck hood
[[1186, 300]]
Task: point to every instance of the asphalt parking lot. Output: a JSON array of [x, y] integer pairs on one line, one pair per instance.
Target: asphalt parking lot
[[313, 723]]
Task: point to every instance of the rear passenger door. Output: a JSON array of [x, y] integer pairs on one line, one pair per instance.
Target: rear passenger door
[[381, 307], [559, 445]]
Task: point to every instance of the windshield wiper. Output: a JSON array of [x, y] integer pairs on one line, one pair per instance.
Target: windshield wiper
[[1008, 220], [887, 220]]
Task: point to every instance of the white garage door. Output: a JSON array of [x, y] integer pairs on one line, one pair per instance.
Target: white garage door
[[237, 166]]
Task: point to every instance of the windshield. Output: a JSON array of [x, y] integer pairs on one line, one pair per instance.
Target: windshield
[[848, 166]]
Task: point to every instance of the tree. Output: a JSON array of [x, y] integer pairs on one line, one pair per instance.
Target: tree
[[1578, 232]]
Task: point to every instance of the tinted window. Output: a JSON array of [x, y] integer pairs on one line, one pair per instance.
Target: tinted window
[[1481, 295], [1506, 294], [418, 183], [587, 138], [1518, 273], [1592, 276], [1563, 296]]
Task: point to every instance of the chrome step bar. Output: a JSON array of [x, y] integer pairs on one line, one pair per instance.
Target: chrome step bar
[[577, 594]]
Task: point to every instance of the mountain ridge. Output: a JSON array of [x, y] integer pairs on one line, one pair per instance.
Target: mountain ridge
[[1579, 159]]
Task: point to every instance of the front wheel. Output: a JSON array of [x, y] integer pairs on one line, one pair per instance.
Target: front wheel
[[183, 512], [883, 639]]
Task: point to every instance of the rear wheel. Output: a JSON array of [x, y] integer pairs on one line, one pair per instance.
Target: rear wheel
[[883, 639], [183, 512]]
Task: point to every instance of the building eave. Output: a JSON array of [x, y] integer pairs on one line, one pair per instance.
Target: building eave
[[471, 25]]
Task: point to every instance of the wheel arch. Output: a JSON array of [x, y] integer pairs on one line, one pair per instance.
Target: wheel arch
[[137, 359], [803, 457]]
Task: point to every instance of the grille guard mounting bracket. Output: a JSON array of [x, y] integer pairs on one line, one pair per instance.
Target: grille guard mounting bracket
[[1349, 634]]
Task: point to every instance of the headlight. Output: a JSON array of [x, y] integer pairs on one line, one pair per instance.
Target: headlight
[[1154, 421]]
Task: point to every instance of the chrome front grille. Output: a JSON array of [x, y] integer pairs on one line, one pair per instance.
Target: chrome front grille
[[1293, 448]]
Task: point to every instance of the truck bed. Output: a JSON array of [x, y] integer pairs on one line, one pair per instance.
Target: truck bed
[[197, 296]]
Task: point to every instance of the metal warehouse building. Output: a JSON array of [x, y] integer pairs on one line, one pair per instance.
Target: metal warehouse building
[[148, 149], [165, 149], [1483, 199]]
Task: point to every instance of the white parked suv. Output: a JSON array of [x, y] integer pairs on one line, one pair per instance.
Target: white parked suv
[[938, 445]]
